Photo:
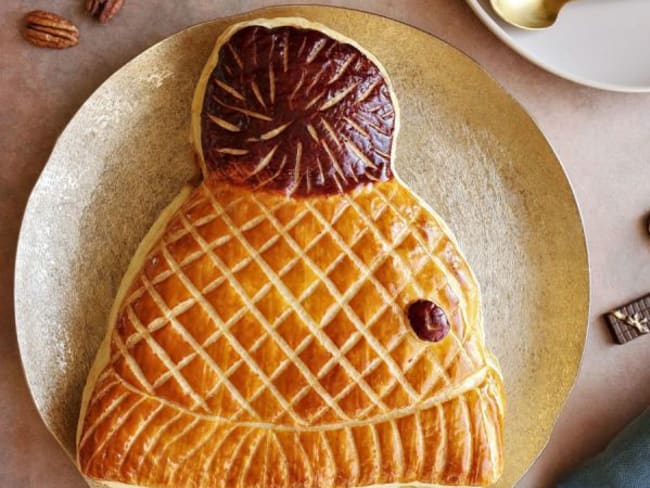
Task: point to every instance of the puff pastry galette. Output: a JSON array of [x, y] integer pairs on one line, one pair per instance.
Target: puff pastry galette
[[300, 318]]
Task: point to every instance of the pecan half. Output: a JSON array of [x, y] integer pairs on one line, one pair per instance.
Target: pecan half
[[103, 10], [45, 29]]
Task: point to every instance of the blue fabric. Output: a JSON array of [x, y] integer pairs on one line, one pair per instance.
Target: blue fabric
[[625, 463]]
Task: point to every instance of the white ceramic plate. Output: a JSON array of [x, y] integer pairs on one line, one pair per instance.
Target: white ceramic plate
[[599, 43]]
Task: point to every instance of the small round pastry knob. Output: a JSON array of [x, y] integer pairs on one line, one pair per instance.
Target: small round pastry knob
[[428, 320]]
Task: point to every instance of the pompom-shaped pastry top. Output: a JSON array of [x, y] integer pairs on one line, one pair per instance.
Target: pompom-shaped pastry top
[[296, 111]]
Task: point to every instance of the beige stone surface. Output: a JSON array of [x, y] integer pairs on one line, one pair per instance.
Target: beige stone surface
[[602, 139]]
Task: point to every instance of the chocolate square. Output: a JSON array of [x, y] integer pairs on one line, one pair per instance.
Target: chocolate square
[[630, 321]]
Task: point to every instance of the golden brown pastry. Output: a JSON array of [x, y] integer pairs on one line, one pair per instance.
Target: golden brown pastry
[[300, 319]]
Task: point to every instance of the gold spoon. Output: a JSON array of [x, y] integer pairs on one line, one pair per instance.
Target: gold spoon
[[529, 14]]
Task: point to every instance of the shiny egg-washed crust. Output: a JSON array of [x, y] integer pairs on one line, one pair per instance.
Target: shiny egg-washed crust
[[262, 340], [291, 106]]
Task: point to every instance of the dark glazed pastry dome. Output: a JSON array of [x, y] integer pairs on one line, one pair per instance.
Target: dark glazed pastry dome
[[295, 111]]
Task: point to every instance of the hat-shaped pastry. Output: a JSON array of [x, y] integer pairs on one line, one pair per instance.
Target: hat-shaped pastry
[[301, 318]]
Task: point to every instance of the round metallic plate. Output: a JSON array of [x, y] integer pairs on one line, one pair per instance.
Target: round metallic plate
[[466, 147]]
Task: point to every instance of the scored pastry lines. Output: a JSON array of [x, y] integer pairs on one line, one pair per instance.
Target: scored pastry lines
[[356, 463], [354, 337], [370, 123], [399, 447], [258, 296], [307, 320], [134, 437], [460, 343], [470, 455], [348, 61], [132, 364], [243, 310], [159, 351], [316, 239], [264, 161], [320, 44], [229, 89], [419, 444], [480, 425], [438, 262], [207, 306], [301, 347], [334, 161], [271, 83], [285, 52], [356, 127], [205, 469], [378, 81], [441, 448], [330, 131], [104, 415], [197, 255], [196, 446], [368, 275], [328, 448], [256, 91], [250, 113], [339, 85], [338, 97], [285, 461], [301, 80], [235, 55], [369, 222], [263, 183], [341, 301], [224, 124], [253, 447], [303, 454], [271, 73], [99, 394], [179, 435], [471, 382], [186, 304], [153, 442], [120, 421], [411, 278], [389, 444], [377, 448], [306, 293], [261, 319], [370, 365], [396, 341], [469, 437], [486, 428]]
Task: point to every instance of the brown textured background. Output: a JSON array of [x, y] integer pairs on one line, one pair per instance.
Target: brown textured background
[[602, 138]]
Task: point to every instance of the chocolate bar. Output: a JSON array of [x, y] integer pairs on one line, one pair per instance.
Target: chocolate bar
[[630, 321]]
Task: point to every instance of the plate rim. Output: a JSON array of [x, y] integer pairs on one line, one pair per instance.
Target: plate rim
[[21, 240], [502, 35]]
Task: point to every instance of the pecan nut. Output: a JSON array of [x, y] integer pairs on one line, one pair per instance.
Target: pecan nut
[[103, 10], [45, 29]]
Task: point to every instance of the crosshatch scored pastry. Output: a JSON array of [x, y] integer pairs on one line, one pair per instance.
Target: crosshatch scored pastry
[[299, 319]]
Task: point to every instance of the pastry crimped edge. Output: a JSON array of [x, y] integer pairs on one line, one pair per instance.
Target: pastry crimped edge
[[473, 315]]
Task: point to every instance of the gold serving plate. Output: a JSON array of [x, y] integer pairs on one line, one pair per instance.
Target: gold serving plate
[[466, 146]]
